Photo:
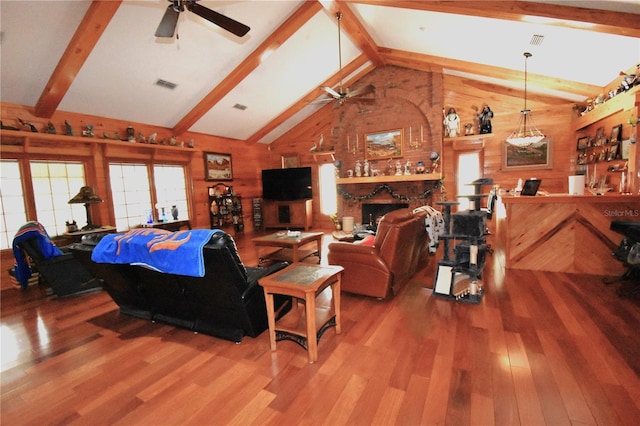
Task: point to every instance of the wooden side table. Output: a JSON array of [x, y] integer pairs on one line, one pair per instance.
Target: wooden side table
[[304, 282]]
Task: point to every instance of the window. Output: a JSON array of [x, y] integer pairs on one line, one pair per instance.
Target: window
[[468, 171], [328, 195], [54, 184], [131, 194], [133, 198], [12, 207], [170, 189]]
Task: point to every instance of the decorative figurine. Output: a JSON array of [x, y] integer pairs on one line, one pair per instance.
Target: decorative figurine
[[68, 130], [50, 129], [398, 168], [468, 129], [366, 168], [358, 169], [407, 168], [174, 212], [435, 158], [114, 136], [131, 134], [484, 120], [5, 127], [420, 168], [87, 131], [451, 123], [31, 127], [191, 143], [629, 80], [152, 138]]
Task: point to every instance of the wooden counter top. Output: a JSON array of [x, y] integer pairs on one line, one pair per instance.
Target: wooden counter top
[[610, 197]]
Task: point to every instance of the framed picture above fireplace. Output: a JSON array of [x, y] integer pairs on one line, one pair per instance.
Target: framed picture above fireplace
[[381, 145]]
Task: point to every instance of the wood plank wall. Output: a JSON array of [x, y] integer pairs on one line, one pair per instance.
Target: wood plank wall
[[246, 163], [408, 98]]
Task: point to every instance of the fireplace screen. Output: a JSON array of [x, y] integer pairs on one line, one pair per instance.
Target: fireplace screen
[[372, 213]]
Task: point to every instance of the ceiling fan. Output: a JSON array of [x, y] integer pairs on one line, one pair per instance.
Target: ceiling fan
[[169, 21], [342, 93]]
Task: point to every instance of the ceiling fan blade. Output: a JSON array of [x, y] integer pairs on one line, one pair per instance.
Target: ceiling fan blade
[[331, 92], [321, 101], [365, 90], [168, 24], [222, 21]]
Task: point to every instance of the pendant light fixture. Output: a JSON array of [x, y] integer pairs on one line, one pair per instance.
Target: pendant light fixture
[[526, 133]]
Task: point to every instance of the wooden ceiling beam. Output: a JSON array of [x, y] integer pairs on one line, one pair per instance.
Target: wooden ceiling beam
[[603, 21], [300, 17], [80, 46], [313, 95], [433, 63]]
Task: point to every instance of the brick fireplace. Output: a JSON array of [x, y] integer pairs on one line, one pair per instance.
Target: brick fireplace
[[369, 201]]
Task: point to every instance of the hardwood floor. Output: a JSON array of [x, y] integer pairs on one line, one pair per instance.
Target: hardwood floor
[[541, 348]]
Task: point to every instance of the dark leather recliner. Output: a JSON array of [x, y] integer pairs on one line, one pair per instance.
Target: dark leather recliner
[[400, 249], [227, 302], [59, 268]]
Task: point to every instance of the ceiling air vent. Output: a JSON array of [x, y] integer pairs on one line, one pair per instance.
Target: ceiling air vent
[[166, 84], [536, 40], [240, 107]]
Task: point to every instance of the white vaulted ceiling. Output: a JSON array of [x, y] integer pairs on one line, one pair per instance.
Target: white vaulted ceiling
[[292, 48]]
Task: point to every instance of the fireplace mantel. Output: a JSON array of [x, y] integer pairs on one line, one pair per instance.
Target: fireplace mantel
[[385, 179]]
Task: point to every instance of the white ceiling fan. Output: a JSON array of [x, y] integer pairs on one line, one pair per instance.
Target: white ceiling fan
[[342, 94]]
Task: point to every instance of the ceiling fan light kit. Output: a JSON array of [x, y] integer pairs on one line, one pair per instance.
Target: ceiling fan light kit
[[526, 133], [167, 27]]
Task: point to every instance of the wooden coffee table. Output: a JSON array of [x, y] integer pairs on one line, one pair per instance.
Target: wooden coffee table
[[289, 247], [306, 282]]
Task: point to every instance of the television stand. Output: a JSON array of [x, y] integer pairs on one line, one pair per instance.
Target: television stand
[[288, 214]]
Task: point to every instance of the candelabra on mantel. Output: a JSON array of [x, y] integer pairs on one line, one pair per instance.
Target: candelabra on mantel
[[417, 143], [356, 148]]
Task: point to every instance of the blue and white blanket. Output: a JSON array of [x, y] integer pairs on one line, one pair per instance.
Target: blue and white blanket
[[178, 253]]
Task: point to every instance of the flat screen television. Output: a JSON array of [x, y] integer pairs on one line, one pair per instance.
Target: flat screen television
[[287, 184]]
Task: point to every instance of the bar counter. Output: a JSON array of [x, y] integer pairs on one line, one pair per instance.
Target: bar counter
[[562, 232]]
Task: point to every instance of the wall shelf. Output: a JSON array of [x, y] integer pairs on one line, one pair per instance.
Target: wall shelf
[[386, 179], [469, 138], [21, 141], [317, 154], [623, 101]]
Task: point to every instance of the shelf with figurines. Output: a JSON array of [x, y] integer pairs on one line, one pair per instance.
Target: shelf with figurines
[[15, 139]]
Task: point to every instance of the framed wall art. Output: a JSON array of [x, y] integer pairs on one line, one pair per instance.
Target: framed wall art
[[383, 145], [535, 156], [613, 152], [289, 161], [624, 149], [217, 166], [599, 136], [616, 133], [583, 142]]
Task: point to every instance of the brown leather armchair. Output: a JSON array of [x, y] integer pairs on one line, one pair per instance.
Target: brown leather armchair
[[400, 249]]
